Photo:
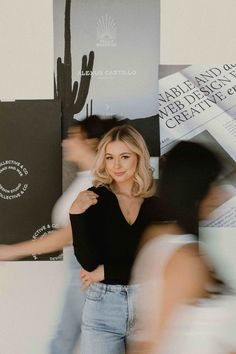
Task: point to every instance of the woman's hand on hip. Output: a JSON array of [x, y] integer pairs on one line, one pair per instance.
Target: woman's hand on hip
[[83, 201], [95, 276]]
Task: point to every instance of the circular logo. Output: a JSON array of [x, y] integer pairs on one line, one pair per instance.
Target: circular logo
[[106, 32], [12, 179], [42, 232]]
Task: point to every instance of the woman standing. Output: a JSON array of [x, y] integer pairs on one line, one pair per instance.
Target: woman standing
[[107, 223]]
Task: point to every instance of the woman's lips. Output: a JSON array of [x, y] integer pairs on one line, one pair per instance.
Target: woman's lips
[[118, 174]]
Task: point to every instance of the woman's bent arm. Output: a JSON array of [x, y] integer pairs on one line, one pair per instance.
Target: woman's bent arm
[[86, 241]]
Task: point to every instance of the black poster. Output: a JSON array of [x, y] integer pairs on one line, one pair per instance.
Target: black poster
[[30, 169]]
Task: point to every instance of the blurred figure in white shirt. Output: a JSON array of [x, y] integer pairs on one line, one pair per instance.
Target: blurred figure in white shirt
[[177, 312]]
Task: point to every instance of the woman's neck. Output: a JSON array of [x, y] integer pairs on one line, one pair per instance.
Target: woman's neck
[[125, 188]]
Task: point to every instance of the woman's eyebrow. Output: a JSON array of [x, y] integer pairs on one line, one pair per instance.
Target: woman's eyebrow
[[122, 153]]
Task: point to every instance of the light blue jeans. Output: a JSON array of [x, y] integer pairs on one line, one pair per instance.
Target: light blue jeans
[[69, 326], [108, 318]]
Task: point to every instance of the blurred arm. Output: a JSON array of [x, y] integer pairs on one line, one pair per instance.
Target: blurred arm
[[53, 242], [185, 281], [185, 278]]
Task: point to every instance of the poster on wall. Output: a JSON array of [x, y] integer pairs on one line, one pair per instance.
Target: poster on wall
[[105, 68], [30, 170], [198, 103]]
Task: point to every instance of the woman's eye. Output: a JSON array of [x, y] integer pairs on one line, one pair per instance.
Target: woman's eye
[[108, 157], [125, 157]]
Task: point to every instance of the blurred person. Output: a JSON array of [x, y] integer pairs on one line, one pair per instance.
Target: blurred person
[[80, 148], [107, 223], [176, 312]]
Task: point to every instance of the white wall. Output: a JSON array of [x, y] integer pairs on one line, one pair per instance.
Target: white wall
[[26, 42], [197, 31], [31, 293]]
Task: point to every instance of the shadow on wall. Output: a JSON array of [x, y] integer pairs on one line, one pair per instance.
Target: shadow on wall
[[166, 70]]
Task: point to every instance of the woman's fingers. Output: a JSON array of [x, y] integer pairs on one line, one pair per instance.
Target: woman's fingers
[[86, 282], [83, 201], [88, 197], [92, 196], [83, 273], [86, 278], [91, 193]]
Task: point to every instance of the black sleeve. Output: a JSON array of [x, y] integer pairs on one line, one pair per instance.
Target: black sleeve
[[87, 246]]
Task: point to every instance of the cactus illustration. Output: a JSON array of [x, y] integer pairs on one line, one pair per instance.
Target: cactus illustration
[[72, 96]]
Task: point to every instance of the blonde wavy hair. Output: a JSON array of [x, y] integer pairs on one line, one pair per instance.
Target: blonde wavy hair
[[144, 185]]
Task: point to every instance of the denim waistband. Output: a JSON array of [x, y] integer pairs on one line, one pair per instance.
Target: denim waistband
[[116, 288]]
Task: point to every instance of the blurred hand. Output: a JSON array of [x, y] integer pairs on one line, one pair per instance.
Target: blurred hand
[[83, 201], [140, 347], [95, 276]]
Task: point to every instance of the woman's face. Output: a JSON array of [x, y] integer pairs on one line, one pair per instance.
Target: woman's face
[[120, 162]]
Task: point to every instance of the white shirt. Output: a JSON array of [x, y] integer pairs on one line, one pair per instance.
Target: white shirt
[[60, 212]]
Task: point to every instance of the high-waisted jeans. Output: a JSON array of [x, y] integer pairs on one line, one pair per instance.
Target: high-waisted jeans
[[108, 318]]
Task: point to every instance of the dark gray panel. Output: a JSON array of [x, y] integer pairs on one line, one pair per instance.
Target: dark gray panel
[[30, 168]]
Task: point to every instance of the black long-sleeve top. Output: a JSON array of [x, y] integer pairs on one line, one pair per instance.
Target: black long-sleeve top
[[101, 235]]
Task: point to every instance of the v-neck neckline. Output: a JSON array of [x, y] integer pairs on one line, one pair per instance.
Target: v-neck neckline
[[122, 214]]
